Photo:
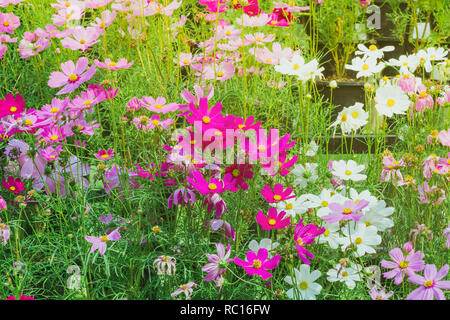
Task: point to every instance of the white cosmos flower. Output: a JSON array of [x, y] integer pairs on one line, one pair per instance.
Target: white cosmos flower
[[391, 100], [348, 170], [310, 71], [310, 150], [438, 54], [362, 236], [322, 201], [347, 274], [304, 174], [406, 63], [293, 206], [372, 51], [331, 235], [352, 118], [425, 60], [264, 243], [365, 67], [366, 195], [304, 286], [291, 67], [378, 216]]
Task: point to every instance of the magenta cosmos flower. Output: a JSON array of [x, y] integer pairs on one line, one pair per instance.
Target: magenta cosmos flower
[[13, 185], [104, 155], [273, 221], [347, 211], [258, 263], [278, 193], [122, 63], [402, 264], [205, 187], [11, 105], [305, 235], [72, 76], [430, 284], [100, 242], [218, 264]]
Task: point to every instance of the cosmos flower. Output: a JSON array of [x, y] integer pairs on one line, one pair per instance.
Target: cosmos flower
[[217, 264], [100, 242], [258, 263], [430, 283], [402, 264], [122, 63], [165, 265], [279, 193], [304, 235], [104, 155], [273, 221], [376, 294], [303, 282], [72, 76], [187, 289]]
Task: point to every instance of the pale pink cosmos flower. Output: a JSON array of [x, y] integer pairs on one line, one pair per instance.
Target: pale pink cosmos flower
[[430, 283], [82, 38], [421, 228], [31, 48], [155, 7], [51, 31], [222, 71], [217, 264], [255, 21], [5, 232], [8, 22], [100, 242], [444, 137], [429, 166], [106, 19], [402, 264], [187, 289], [67, 4], [165, 265], [94, 4], [432, 195], [258, 38], [72, 76], [64, 16], [122, 63], [391, 169], [376, 294], [158, 105], [184, 59], [289, 7], [424, 99], [5, 3]]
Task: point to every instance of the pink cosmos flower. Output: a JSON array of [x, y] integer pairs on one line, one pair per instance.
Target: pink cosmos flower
[[200, 93], [376, 294], [5, 3], [214, 201], [204, 187], [217, 224], [11, 105], [304, 235], [407, 84], [274, 220], [5, 232], [258, 263], [50, 154], [432, 195], [186, 289], [94, 4], [8, 22], [184, 59], [159, 105], [347, 211], [222, 71], [13, 185], [278, 193], [72, 76], [181, 196], [67, 14], [430, 283], [100, 242], [444, 137], [209, 118], [218, 264], [31, 48], [402, 265], [165, 265], [446, 234], [104, 155], [122, 63], [421, 228], [236, 175], [82, 38], [106, 19], [392, 169], [3, 205]]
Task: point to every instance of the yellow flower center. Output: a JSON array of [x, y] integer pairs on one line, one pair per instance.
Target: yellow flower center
[[300, 241], [405, 63], [235, 173], [54, 110], [87, 102], [277, 197], [404, 264], [303, 285], [257, 264], [6, 23], [206, 119], [185, 61], [368, 223], [82, 41], [326, 233], [67, 4], [13, 109], [156, 229], [272, 222], [182, 287], [155, 122], [344, 273], [348, 172], [73, 77], [268, 60], [324, 203], [391, 102], [423, 94], [143, 120], [347, 211], [358, 240], [105, 155], [228, 32], [296, 66], [104, 239], [262, 148], [289, 206], [273, 22], [373, 47], [112, 64], [12, 188], [80, 127], [355, 114], [102, 25], [212, 186], [220, 74], [344, 117], [428, 283], [28, 122], [158, 106], [165, 259], [365, 66], [54, 137]]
